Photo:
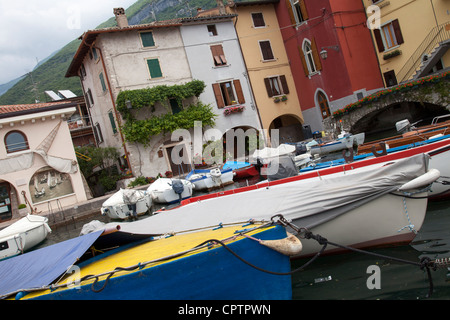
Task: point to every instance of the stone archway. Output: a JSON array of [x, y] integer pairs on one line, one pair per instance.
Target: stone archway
[[289, 128]]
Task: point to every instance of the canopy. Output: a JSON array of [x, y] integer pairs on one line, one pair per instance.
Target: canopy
[[41, 267]]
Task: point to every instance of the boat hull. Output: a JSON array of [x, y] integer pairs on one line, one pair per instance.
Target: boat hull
[[208, 274], [23, 236], [203, 180], [162, 192], [120, 210]]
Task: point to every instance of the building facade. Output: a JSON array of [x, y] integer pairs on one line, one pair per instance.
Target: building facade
[[411, 37], [38, 165], [331, 53]]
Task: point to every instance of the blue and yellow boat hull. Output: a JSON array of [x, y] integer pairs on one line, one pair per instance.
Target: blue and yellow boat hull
[[177, 268]]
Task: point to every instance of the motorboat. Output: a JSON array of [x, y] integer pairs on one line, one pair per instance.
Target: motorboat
[[241, 169], [170, 190], [209, 179], [184, 266], [345, 141], [376, 203], [23, 235], [116, 208]]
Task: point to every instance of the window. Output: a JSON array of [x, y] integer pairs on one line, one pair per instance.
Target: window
[[212, 31], [227, 92], [16, 141], [258, 20], [276, 86], [297, 11], [154, 68], [98, 133], [94, 54], [323, 105], [388, 36], [266, 50], [89, 98], [147, 39], [310, 57], [218, 55], [174, 106], [390, 78], [102, 81], [113, 122], [82, 72]]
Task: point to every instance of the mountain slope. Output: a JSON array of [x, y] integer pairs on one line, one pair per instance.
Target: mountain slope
[[50, 75]]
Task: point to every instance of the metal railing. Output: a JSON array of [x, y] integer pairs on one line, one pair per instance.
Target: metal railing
[[436, 36]]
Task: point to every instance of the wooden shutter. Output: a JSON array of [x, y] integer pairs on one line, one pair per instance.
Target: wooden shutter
[[218, 55], [316, 56], [397, 31], [302, 57], [154, 68], [379, 40], [147, 39], [218, 95], [268, 87], [284, 84], [113, 122], [291, 13], [266, 50], [303, 10], [239, 92]]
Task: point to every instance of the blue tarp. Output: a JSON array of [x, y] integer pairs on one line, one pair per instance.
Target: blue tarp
[[41, 267], [235, 165]]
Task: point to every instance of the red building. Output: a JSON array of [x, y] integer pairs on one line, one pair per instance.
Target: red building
[[331, 52]]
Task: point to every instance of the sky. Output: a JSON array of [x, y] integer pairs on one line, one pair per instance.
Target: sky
[[31, 30]]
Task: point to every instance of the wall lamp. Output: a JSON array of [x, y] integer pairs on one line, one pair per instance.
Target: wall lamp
[[128, 104], [324, 53]]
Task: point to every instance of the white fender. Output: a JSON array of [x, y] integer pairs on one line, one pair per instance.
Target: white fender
[[425, 179]]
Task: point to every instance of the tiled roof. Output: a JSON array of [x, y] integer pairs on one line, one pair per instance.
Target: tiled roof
[[11, 110]]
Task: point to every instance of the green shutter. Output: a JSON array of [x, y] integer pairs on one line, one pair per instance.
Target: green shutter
[[147, 39], [113, 122], [155, 69], [102, 81]]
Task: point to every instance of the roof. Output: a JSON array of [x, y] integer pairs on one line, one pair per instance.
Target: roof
[[22, 109], [255, 3], [89, 37]]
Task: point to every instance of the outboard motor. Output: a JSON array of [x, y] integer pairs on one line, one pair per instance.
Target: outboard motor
[[178, 187], [300, 148], [215, 176]]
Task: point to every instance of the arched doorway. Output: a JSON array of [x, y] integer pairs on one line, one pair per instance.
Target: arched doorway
[[286, 128], [322, 102]]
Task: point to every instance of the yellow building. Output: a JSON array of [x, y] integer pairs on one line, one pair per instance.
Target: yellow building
[[268, 67], [410, 36]]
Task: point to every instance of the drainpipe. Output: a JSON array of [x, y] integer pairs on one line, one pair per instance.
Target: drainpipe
[[114, 107]]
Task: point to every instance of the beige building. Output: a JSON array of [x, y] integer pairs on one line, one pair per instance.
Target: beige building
[[269, 69], [412, 37], [38, 165]]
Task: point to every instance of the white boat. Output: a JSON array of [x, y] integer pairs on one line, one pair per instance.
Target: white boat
[[23, 235], [205, 179], [344, 141], [168, 190], [361, 207], [116, 208]]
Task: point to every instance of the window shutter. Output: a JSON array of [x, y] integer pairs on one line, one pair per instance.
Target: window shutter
[[379, 40], [266, 50], [291, 13], [147, 39], [302, 57], [268, 87], [239, 92], [303, 10], [284, 84], [218, 55], [102, 81], [113, 122], [397, 31], [218, 95], [155, 69], [316, 56]]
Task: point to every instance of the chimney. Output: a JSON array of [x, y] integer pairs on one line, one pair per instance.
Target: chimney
[[221, 7], [121, 17]]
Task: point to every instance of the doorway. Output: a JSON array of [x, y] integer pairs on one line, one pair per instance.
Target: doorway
[[5, 202], [178, 159]]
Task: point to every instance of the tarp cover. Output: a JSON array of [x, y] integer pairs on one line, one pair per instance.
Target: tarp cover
[[41, 267], [307, 198]]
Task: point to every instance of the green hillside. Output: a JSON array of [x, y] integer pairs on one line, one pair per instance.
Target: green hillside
[[51, 74]]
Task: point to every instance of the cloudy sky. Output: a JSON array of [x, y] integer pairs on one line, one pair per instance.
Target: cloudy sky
[[30, 30]]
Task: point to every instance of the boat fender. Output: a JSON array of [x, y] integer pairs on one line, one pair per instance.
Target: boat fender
[[289, 246], [421, 181]]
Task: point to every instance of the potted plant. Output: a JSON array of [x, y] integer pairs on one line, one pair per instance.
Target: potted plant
[[23, 211]]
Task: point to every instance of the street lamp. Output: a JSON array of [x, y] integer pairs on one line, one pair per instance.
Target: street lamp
[[324, 53]]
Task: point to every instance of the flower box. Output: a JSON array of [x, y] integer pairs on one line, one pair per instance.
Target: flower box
[[231, 110]]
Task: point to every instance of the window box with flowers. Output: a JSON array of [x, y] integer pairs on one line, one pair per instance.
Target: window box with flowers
[[235, 109]]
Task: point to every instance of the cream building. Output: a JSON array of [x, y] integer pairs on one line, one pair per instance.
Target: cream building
[[38, 165]]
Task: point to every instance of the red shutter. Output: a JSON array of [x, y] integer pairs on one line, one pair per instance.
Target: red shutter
[[218, 95]]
